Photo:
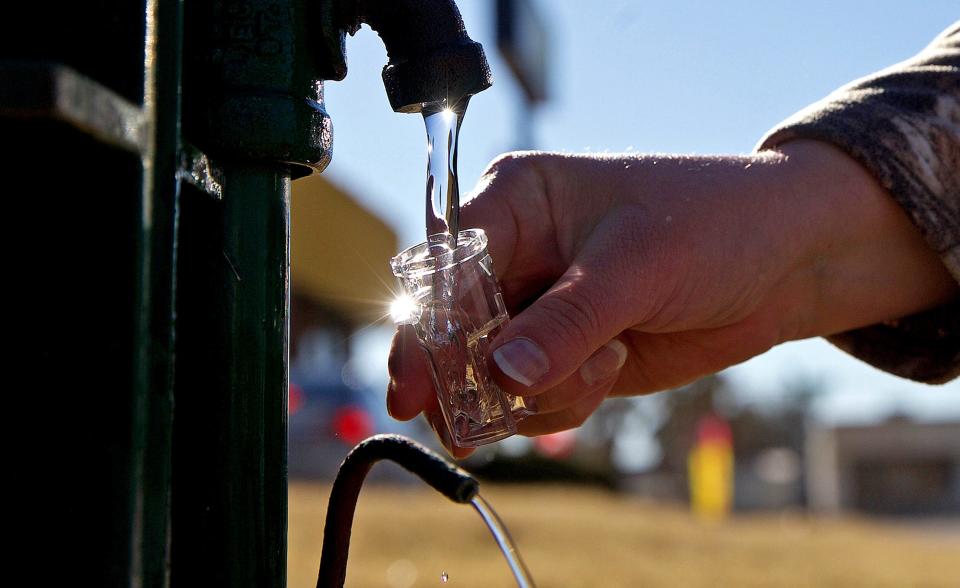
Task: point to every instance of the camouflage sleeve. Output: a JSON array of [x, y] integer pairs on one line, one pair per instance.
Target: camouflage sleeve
[[903, 125]]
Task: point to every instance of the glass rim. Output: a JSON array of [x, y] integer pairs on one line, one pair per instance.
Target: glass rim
[[415, 260]]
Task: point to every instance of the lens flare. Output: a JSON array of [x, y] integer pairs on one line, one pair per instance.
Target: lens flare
[[404, 310]]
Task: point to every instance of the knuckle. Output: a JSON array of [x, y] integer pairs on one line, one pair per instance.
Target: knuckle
[[510, 162], [576, 318], [516, 168]]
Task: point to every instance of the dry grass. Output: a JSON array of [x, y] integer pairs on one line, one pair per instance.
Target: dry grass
[[582, 537]]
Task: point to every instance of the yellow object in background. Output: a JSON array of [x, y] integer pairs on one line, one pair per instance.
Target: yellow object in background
[[340, 252], [710, 470]]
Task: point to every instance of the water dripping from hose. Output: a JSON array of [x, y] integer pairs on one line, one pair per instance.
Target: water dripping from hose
[[500, 534]]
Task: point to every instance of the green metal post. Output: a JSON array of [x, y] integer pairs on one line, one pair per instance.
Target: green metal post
[[89, 117], [150, 149], [111, 485], [254, 118], [229, 501], [155, 297], [257, 241]]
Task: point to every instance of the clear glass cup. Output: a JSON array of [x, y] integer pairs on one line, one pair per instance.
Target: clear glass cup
[[454, 301]]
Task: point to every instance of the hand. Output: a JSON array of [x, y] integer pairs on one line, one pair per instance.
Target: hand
[[630, 274]]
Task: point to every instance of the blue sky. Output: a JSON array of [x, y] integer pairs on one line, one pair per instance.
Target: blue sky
[[680, 76]]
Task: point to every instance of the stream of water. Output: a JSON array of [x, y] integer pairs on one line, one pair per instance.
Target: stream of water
[[443, 217], [499, 531], [443, 188]]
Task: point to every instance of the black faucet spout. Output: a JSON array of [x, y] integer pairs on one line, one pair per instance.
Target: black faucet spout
[[431, 57]]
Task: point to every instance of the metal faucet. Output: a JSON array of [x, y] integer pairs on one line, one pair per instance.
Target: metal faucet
[[258, 82], [431, 58]]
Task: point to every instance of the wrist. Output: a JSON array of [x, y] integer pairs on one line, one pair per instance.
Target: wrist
[[859, 259]]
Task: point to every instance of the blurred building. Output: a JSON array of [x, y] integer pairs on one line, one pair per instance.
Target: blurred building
[[340, 284], [339, 256], [896, 467]]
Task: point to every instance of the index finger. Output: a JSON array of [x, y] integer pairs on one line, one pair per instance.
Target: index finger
[[510, 205]]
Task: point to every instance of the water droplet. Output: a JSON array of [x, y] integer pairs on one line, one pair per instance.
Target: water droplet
[[444, 577]]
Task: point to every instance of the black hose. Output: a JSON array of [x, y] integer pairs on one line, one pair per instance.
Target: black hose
[[443, 476]]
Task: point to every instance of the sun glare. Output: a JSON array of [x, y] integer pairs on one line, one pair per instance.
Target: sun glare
[[403, 310]]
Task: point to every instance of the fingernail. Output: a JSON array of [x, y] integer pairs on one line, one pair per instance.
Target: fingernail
[[522, 360], [603, 364]]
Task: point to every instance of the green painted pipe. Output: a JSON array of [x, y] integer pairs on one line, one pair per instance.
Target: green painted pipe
[[229, 477]]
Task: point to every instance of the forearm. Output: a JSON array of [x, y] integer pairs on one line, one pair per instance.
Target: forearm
[[822, 243]]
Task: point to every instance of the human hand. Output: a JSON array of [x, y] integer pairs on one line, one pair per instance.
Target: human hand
[[630, 274]]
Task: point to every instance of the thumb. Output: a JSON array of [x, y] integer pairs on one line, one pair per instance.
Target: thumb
[[549, 340]]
